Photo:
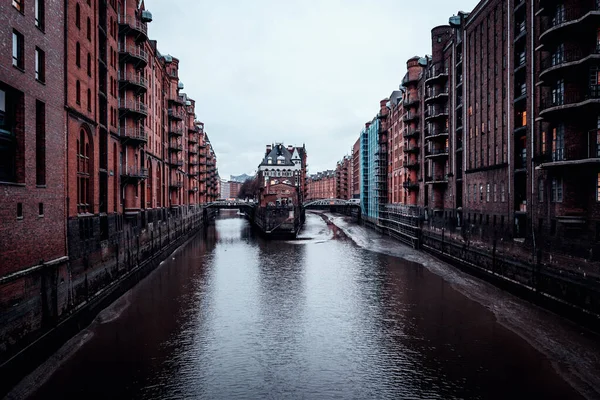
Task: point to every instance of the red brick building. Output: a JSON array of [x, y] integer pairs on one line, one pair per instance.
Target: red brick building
[[343, 177], [33, 253], [121, 162], [322, 185]]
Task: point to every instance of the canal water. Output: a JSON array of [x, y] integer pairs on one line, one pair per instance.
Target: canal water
[[341, 313]]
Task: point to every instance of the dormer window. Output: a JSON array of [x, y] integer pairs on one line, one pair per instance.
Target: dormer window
[[269, 160]]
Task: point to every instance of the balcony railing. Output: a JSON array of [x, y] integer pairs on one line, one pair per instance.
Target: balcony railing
[[134, 51], [434, 112], [133, 23], [437, 70], [410, 116], [176, 114], [136, 79], [176, 185], [565, 16], [175, 130], [133, 106], [436, 152], [570, 97], [134, 171], [176, 162], [557, 59], [133, 134], [588, 153], [410, 185], [436, 92], [175, 146]]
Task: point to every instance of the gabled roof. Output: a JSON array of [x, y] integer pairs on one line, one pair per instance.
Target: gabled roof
[[278, 153]]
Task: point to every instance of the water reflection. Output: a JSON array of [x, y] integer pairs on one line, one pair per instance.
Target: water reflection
[[232, 315]]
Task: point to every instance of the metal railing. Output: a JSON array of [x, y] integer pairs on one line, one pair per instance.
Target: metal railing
[[436, 70], [133, 133], [133, 78], [134, 51], [133, 105], [133, 22], [571, 96], [566, 15], [134, 171]]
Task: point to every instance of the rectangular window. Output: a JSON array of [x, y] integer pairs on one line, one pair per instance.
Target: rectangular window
[[541, 190], [495, 193], [487, 195], [502, 193], [18, 4], [557, 190], [598, 188], [40, 65], [558, 93], [40, 17], [40, 143], [481, 193], [558, 143], [40, 209], [19, 210], [17, 50]]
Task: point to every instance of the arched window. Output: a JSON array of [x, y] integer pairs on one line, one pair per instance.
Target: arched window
[[89, 64], [83, 173], [78, 54], [89, 29], [89, 100], [77, 16], [78, 92]]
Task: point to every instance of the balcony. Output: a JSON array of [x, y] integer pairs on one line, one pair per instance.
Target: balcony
[[133, 107], [192, 138], [583, 156], [412, 164], [414, 149], [193, 150], [410, 185], [193, 189], [436, 94], [193, 162], [437, 153], [553, 64], [410, 116], [176, 100], [176, 163], [437, 72], [570, 100], [175, 185], [175, 131], [436, 134], [569, 19], [175, 114], [436, 112], [437, 179], [414, 101], [137, 135], [410, 80], [133, 54], [134, 172], [411, 132], [130, 25], [135, 81], [175, 147]]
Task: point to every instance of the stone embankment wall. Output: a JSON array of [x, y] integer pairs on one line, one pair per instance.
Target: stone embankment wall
[[41, 309]]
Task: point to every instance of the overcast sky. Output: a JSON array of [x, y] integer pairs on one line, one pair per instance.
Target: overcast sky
[[292, 71]]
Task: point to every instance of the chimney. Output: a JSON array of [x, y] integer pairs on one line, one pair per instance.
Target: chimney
[[290, 148]]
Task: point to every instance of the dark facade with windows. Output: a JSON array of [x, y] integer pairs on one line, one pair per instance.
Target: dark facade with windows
[[33, 254]]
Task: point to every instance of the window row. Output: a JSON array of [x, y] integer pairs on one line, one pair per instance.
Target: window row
[[39, 11]]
